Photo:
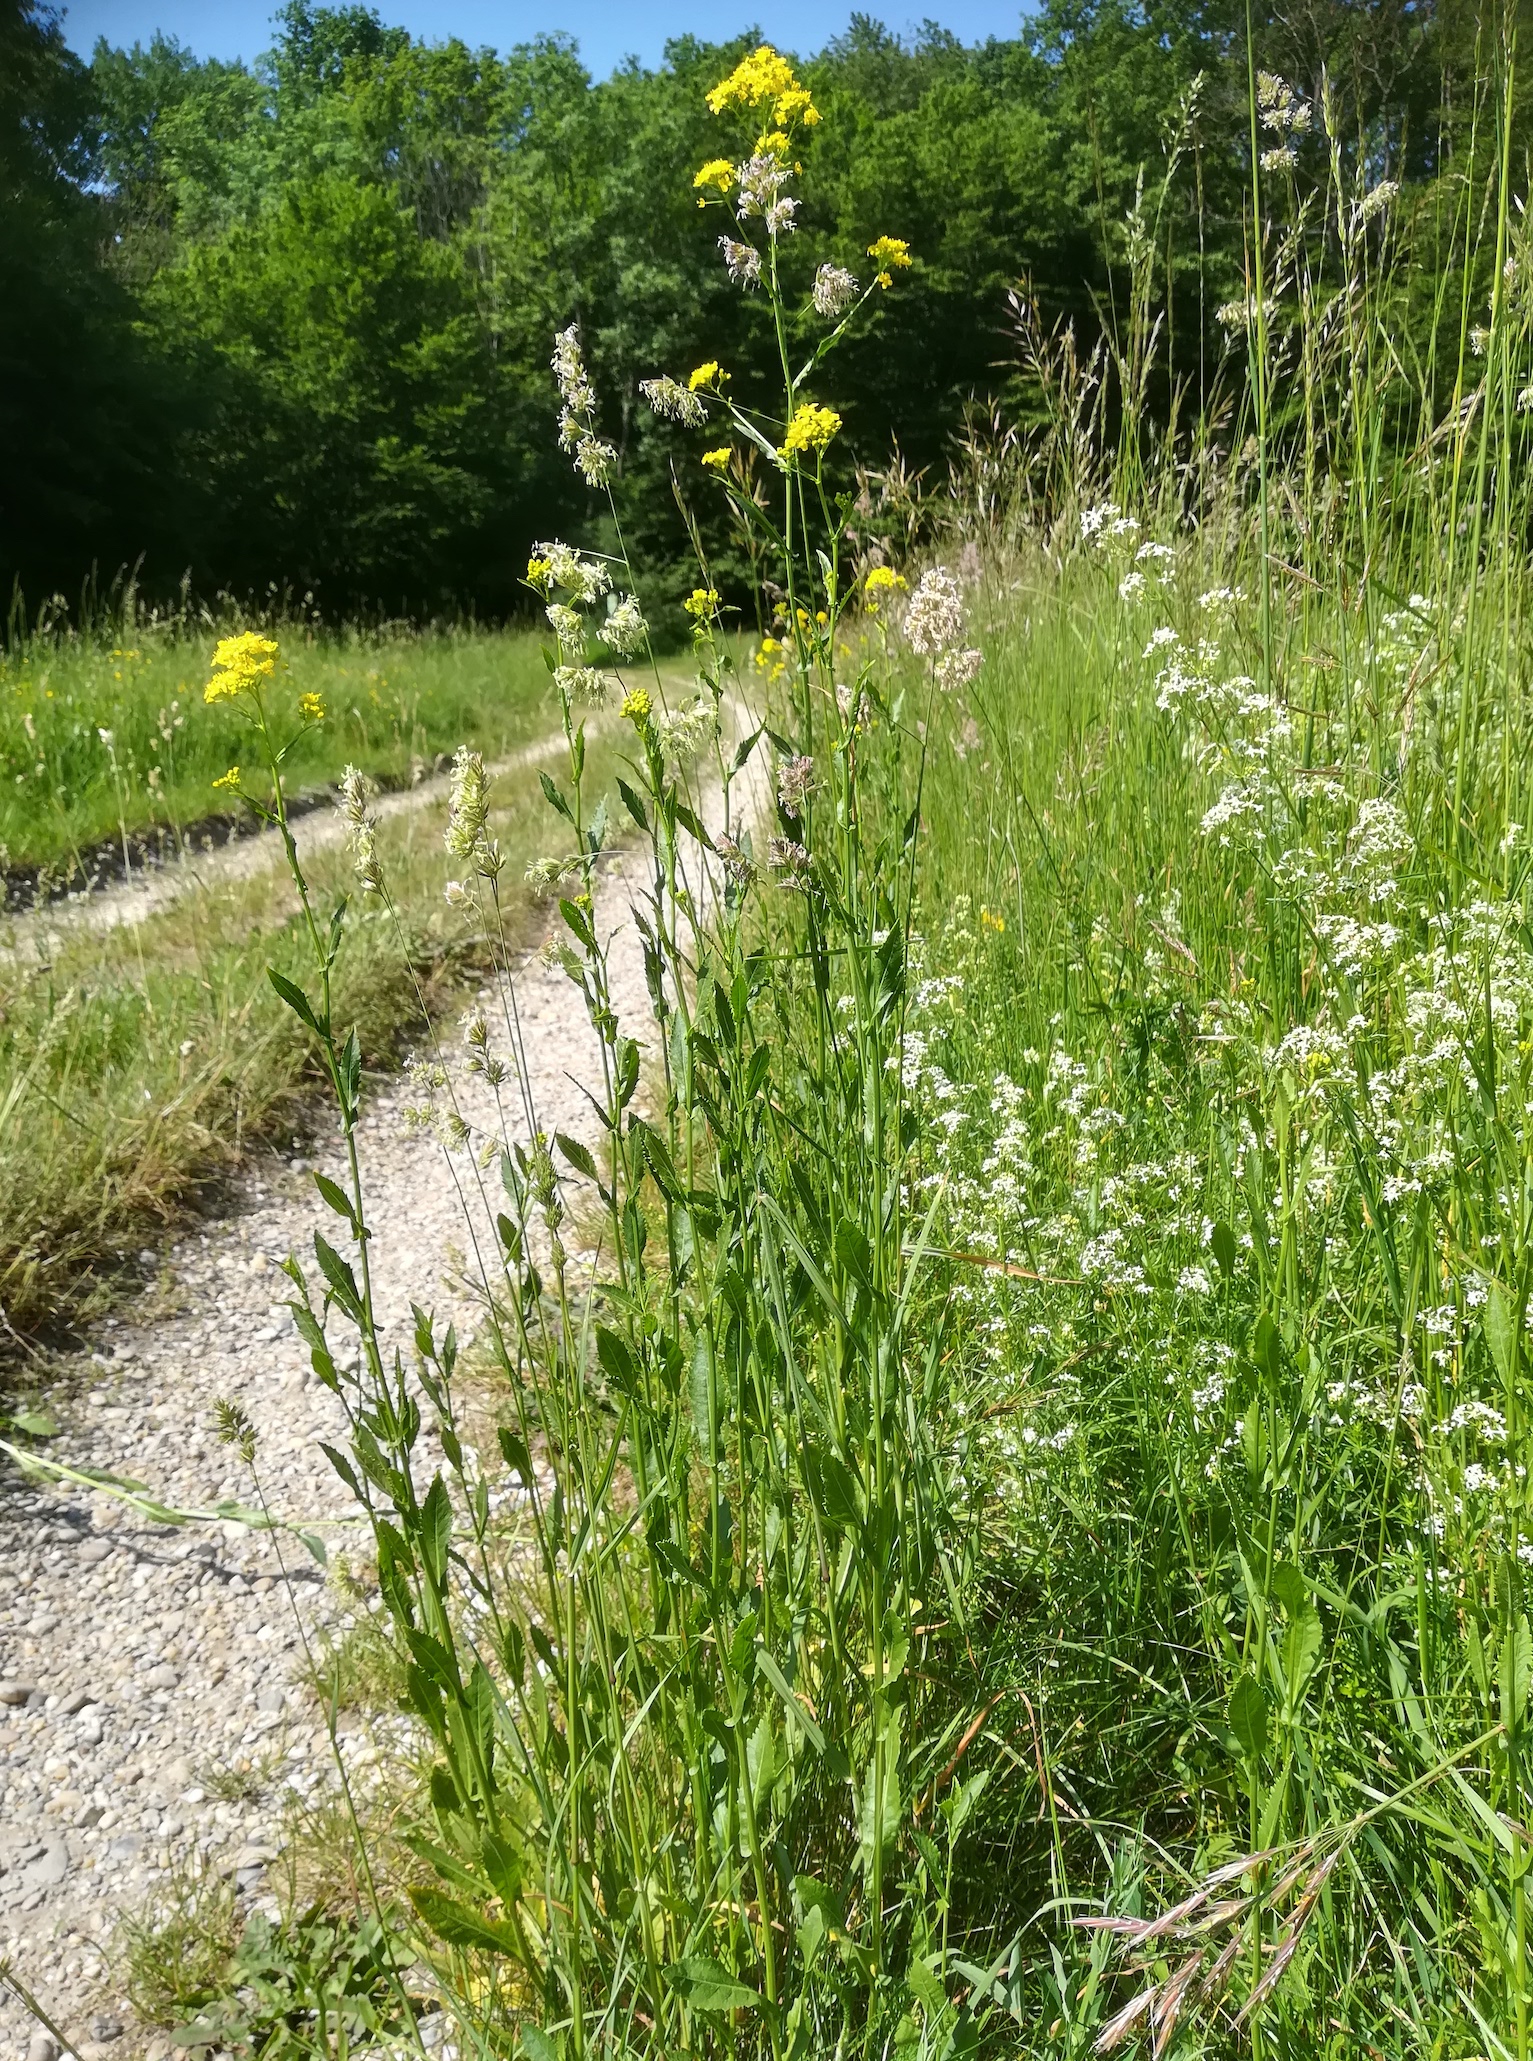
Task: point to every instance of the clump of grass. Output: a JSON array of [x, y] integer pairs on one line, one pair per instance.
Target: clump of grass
[[175, 1955]]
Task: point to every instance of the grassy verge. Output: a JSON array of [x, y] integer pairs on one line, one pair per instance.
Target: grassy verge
[[138, 1064], [101, 743]]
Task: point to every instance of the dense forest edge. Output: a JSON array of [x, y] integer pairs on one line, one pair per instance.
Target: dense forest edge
[[280, 332]]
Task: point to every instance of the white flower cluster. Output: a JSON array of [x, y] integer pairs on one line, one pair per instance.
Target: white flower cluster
[[761, 180], [742, 260]]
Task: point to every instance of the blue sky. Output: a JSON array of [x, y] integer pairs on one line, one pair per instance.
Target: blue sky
[[607, 30]]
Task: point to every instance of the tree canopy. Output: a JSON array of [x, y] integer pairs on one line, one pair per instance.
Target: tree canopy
[[288, 326]]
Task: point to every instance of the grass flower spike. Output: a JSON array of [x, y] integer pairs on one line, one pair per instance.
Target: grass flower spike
[[239, 665]]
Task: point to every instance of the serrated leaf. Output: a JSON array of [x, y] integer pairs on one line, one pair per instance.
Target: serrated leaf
[[337, 1198], [554, 798], [709, 1987], [1286, 1586], [924, 1986], [459, 1926], [1248, 1716], [294, 997], [577, 1154], [1301, 1648]]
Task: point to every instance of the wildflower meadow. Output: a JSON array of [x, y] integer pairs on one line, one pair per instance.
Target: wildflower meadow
[[980, 1506]]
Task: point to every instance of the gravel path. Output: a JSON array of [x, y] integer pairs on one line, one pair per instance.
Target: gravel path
[[153, 1717], [157, 884]]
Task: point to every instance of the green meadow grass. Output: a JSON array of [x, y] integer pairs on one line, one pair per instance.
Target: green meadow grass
[[139, 1065], [102, 740]]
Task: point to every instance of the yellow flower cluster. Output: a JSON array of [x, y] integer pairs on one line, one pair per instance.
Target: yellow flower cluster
[[636, 705], [718, 459], [882, 580], [239, 664], [229, 779], [707, 374], [891, 254], [717, 172], [311, 708], [765, 80], [701, 602], [810, 430], [539, 571], [768, 658], [990, 921]]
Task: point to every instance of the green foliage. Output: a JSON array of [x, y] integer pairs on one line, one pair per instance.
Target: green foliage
[[316, 356], [312, 1984]]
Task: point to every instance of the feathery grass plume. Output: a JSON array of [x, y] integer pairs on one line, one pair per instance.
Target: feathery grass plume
[[594, 458], [674, 402], [835, 290], [361, 824]]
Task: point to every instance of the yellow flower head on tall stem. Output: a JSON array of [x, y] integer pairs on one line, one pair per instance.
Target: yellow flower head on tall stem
[[311, 708], [764, 79], [718, 172], [883, 579], [229, 779], [239, 665], [718, 461], [706, 375], [891, 254], [810, 430]]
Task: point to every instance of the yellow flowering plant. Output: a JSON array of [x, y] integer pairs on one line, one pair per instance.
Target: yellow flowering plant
[[240, 664], [735, 1508]]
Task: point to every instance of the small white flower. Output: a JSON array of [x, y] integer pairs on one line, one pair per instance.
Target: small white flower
[[958, 668], [625, 629]]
